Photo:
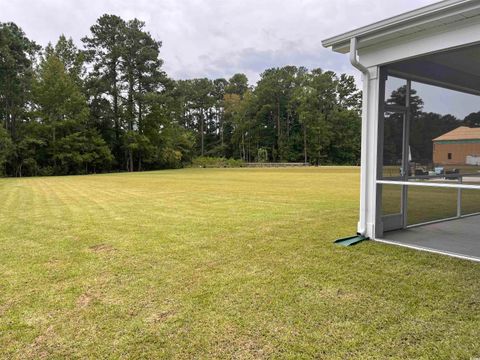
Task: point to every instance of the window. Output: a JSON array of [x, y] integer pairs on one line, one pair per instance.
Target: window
[[449, 156]]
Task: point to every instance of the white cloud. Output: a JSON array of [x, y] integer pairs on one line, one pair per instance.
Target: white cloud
[[216, 38]]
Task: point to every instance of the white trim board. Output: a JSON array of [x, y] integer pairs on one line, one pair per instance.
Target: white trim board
[[430, 250], [427, 17]]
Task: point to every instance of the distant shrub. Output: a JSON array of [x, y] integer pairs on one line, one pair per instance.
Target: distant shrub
[[46, 171], [262, 155], [216, 162]]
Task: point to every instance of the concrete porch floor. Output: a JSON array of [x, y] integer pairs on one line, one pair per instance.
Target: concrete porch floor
[[458, 238]]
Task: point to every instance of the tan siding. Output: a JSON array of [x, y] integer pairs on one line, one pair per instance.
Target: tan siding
[[459, 153]]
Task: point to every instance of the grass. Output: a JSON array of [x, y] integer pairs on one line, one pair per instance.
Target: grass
[[207, 263]]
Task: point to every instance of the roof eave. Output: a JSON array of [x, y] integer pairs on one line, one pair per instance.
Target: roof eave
[[444, 12], [446, 140]]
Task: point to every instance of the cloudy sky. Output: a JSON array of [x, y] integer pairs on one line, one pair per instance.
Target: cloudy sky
[[216, 38]]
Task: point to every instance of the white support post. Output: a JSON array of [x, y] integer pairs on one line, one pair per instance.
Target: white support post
[[368, 186]]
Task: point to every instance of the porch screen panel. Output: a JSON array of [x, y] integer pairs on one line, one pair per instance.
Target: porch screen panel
[[392, 145], [434, 150], [427, 204], [391, 199], [470, 202], [395, 91], [393, 127]]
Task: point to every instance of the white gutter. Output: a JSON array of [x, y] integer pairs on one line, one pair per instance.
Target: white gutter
[[354, 59], [362, 225]]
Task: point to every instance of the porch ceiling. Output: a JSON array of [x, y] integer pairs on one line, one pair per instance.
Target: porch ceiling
[[457, 69]]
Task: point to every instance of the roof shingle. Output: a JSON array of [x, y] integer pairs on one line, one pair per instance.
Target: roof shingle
[[460, 133]]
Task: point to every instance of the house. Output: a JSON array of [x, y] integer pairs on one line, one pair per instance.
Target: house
[[428, 56], [459, 147]]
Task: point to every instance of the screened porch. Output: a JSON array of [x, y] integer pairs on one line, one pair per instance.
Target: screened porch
[[428, 156]]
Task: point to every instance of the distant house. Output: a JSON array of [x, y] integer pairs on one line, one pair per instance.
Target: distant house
[[457, 147]]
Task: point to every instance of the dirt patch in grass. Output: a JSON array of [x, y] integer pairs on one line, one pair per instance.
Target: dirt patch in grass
[[37, 348], [160, 317], [85, 300], [5, 307], [102, 248]]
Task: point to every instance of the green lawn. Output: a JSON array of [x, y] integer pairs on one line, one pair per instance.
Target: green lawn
[[218, 264]]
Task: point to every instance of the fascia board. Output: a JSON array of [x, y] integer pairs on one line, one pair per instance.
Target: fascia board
[[442, 13], [428, 42]]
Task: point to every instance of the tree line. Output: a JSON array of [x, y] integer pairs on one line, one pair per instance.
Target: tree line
[[110, 106]]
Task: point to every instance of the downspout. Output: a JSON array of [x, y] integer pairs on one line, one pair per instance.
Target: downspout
[[362, 226]]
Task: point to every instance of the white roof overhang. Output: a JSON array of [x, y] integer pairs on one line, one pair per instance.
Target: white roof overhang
[[407, 25]]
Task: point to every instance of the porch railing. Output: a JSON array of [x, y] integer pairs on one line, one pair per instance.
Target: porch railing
[[432, 181]]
